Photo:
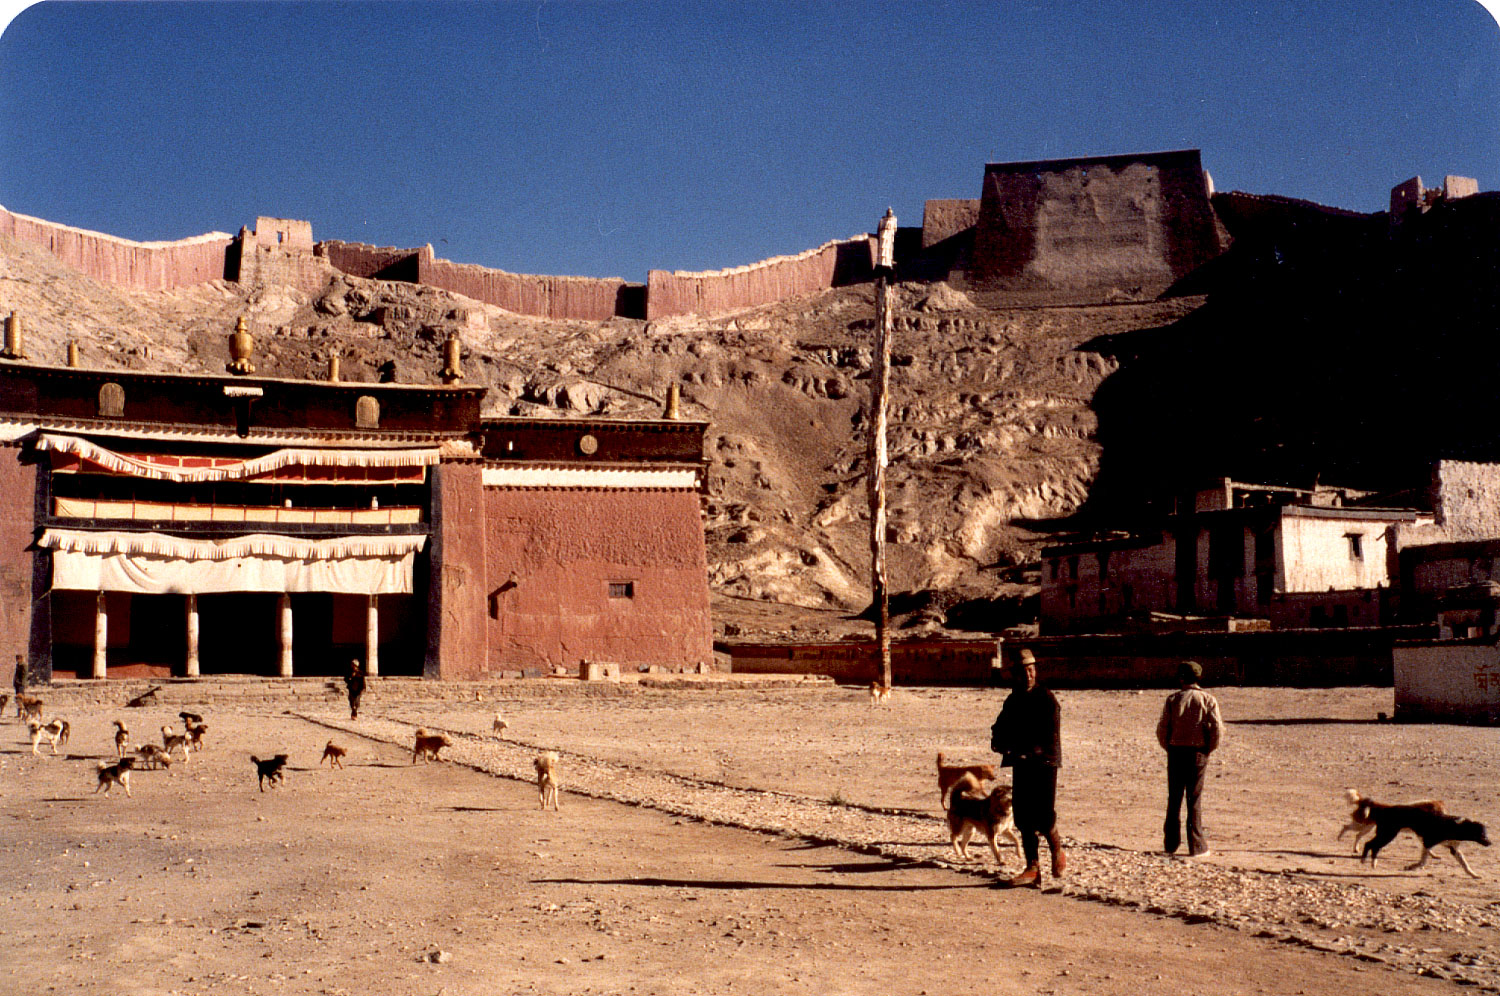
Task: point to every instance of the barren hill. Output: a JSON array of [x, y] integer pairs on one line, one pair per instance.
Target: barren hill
[[991, 417]]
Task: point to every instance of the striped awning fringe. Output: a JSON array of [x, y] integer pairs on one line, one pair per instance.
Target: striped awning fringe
[[253, 545], [123, 464]]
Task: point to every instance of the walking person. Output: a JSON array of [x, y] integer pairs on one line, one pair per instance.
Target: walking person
[[354, 681], [1189, 731], [18, 680], [1028, 736]]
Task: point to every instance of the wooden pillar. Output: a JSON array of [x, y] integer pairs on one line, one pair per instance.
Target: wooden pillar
[[101, 637], [190, 668], [284, 630], [372, 637], [880, 382]]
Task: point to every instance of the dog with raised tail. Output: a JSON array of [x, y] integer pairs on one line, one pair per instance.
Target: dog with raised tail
[[269, 770], [118, 773], [171, 740], [547, 764], [880, 694], [427, 745], [989, 815], [195, 728], [122, 738], [499, 726], [949, 774], [334, 755], [1433, 827]]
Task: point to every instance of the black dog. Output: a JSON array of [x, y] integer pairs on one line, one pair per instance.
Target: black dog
[[269, 770], [1434, 828]]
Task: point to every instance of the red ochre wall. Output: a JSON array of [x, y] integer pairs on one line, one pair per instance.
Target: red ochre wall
[[552, 555], [829, 265], [588, 298], [137, 265], [360, 260], [18, 485], [459, 581]]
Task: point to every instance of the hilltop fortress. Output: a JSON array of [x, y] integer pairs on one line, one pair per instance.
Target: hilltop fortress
[[1090, 230]]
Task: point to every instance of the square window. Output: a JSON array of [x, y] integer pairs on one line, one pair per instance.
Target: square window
[[622, 589], [1356, 546]]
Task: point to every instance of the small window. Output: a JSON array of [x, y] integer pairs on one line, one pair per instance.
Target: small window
[[622, 589], [1356, 546]]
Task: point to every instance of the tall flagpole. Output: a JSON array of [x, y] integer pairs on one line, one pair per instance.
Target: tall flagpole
[[880, 383]]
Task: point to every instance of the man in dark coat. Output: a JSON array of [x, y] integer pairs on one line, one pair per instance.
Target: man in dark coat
[[354, 681], [18, 680], [1028, 736]]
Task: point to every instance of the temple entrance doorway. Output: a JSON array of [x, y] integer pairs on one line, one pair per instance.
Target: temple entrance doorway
[[237, 634]]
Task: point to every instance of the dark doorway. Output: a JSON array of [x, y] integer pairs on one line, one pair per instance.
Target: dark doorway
[[237, 634]]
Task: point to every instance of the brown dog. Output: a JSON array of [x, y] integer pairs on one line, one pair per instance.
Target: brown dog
[[949, 775], [879, 694], [546, 778], [990, 815], [427, 746], [115, 774], [122, 738], [28, 707], [334, 755], [150, 754], [1362, 819]]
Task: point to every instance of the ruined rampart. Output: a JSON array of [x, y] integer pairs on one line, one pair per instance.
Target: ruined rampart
[[137, 265], [1082, 231], [832, 264], [372, 262], [588, 298]]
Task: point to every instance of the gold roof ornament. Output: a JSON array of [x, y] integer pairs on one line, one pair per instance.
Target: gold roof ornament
[[673, 409], [72, 352], [241, 346], [333, 368], [13, 344], [452, 372]]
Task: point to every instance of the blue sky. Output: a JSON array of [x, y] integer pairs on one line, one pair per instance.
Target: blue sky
[[606, 139]]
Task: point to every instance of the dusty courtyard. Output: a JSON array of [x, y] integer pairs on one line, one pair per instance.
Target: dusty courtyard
[[759, 841]]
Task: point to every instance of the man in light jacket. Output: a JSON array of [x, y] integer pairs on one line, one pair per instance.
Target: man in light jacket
[[1189, 730]]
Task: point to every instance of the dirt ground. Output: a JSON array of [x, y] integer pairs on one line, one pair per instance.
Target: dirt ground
[[389, 877]]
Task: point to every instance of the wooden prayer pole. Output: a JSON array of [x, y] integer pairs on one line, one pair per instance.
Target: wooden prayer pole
[[880, 383]]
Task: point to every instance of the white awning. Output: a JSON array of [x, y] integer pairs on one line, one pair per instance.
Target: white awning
[[155, 564], [161, 469], [632, 477]]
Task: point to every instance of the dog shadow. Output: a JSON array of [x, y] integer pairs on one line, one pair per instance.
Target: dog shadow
[[66, 798], [475, 809], [1306, 721]]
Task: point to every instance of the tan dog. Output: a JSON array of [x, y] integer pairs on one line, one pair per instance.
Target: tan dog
[[28, 707], [57, 732], [499, 726], [194, 727], [990, 815], [949, 774], [150, 754], [115, 774], [34, 728], [546, 778], [334, 755], [171, 741], [122, 738], [879, 694], [427, 746]]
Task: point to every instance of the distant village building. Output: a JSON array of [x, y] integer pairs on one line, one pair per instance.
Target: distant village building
[[1295, 558], [171, 524]]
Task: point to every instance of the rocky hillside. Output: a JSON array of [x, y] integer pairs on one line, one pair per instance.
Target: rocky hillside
[[991, 431]]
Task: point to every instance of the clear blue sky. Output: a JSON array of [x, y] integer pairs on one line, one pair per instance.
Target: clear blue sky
[[606, 139]]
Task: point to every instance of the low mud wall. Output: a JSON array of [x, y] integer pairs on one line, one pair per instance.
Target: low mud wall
[[587, 298], [833, 264], [372, 262], [121, 262], [926, 662]]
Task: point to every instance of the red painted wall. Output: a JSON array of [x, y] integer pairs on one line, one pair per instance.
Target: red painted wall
[[588, 298], [138, 265], [18, 485], [832, 264], [459, 574], [551, 558], [361, 260]]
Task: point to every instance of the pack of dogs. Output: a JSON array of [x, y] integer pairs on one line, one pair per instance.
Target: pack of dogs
[[968, 807]]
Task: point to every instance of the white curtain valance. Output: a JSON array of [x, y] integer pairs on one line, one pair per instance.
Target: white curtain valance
[[123, 464], [154, 564]]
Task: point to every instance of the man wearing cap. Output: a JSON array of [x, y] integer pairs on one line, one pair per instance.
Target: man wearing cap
[[1189, 730], [1028, 736]]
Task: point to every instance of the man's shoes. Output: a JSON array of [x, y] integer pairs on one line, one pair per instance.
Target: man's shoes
[[1032, 876], [1205, 853], [1059, 858]]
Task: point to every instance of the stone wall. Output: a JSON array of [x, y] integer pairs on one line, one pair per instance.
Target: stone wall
[[964, 663], [1095, 230], [17, 589], [832, 264], [552, 558], [458, 581], [137, 265], [373, 262], [942, 220], [586, 298]]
